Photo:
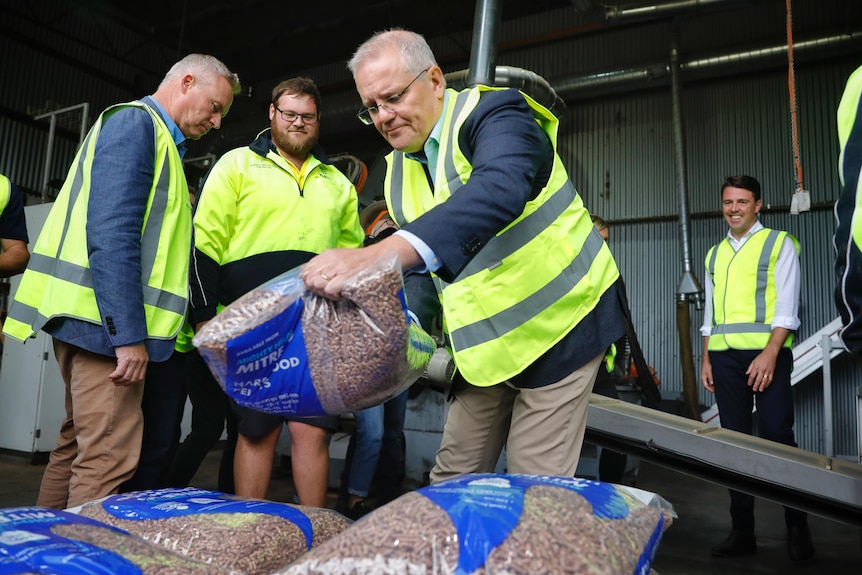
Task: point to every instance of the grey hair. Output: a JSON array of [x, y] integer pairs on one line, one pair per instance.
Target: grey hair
[[204, 67], [415, 52]]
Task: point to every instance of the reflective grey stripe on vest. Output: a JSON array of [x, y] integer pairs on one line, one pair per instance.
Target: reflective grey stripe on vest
[[453, 179], [739, 328], [511, 318], [396, 201], [760, 325], [73, 195], [763, 276], [153, 226]]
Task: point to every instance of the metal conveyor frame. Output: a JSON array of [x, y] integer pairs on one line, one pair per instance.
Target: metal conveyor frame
[[821, 485]]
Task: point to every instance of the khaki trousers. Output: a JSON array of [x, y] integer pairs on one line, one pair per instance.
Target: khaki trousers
[[100, 438], [542, 428]]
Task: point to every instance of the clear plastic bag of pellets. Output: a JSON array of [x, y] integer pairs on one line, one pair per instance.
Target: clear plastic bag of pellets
[[42, 540], [247, 536], [284, 350], [499, 523]]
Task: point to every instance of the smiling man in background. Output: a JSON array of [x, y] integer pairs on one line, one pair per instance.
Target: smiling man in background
[[752, 309]]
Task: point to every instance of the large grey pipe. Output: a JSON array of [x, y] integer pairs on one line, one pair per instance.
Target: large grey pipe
[[526, 81], [659, 10], [631, 79], [483, 52], [689, 288]]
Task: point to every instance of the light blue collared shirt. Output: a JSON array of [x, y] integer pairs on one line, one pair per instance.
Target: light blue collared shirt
[[176, 133]]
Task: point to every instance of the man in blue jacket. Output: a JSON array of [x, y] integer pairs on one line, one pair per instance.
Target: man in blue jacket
[[124, 212], [527, 285]]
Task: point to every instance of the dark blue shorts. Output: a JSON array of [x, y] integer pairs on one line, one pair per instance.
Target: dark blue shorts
[[253, 423]]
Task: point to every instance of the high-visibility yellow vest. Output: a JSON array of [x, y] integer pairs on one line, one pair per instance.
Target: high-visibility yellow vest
[[5, 190], [743, 302], [57, 281], [531, 283], [184, 338], [848, 159]]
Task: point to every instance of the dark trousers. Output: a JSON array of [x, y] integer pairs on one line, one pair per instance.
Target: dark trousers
[[736, 401], [210, 414], [162, 405], [612, 464]]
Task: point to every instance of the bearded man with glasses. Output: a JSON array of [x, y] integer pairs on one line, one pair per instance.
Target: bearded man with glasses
[[265, 209]]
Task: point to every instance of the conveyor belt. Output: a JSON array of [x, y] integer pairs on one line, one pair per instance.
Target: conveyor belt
[[823, 486]]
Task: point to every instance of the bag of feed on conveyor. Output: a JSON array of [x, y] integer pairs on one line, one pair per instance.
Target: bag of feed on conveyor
[[242, 535], [281, 349], [498, 523], [48, 541]]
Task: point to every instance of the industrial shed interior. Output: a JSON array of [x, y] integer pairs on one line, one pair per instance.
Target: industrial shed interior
[[658, 102]]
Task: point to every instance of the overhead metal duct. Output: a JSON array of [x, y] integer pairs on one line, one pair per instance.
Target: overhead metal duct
[[653, 11], [619, 81]]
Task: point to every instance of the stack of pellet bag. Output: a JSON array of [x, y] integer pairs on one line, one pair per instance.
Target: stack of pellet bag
[[501, 524], [52, 542], [283, 350], [248, 536]]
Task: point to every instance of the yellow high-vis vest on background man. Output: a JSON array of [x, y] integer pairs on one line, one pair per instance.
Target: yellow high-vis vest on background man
[[742, 319]]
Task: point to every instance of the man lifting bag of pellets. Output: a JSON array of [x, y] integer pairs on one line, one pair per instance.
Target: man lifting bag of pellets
[[282, 350]]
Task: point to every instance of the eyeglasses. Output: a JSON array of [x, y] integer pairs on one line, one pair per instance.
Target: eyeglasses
[[392, 103], [290, 116]]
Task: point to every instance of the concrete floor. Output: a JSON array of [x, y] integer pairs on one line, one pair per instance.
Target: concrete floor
[[684, 550]]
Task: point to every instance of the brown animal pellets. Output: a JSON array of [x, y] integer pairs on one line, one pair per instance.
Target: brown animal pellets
[[253, 543], [557, 532], [357, 347], [149, 558]]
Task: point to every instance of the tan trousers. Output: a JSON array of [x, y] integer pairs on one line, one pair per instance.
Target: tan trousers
[[542, 428], [100, 437]]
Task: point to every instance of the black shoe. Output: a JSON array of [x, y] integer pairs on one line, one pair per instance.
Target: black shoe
[[737, 543], [799, 545], [342, 508], [358, 510]]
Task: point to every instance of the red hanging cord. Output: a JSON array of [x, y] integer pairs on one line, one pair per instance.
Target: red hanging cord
[[791, 80]]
